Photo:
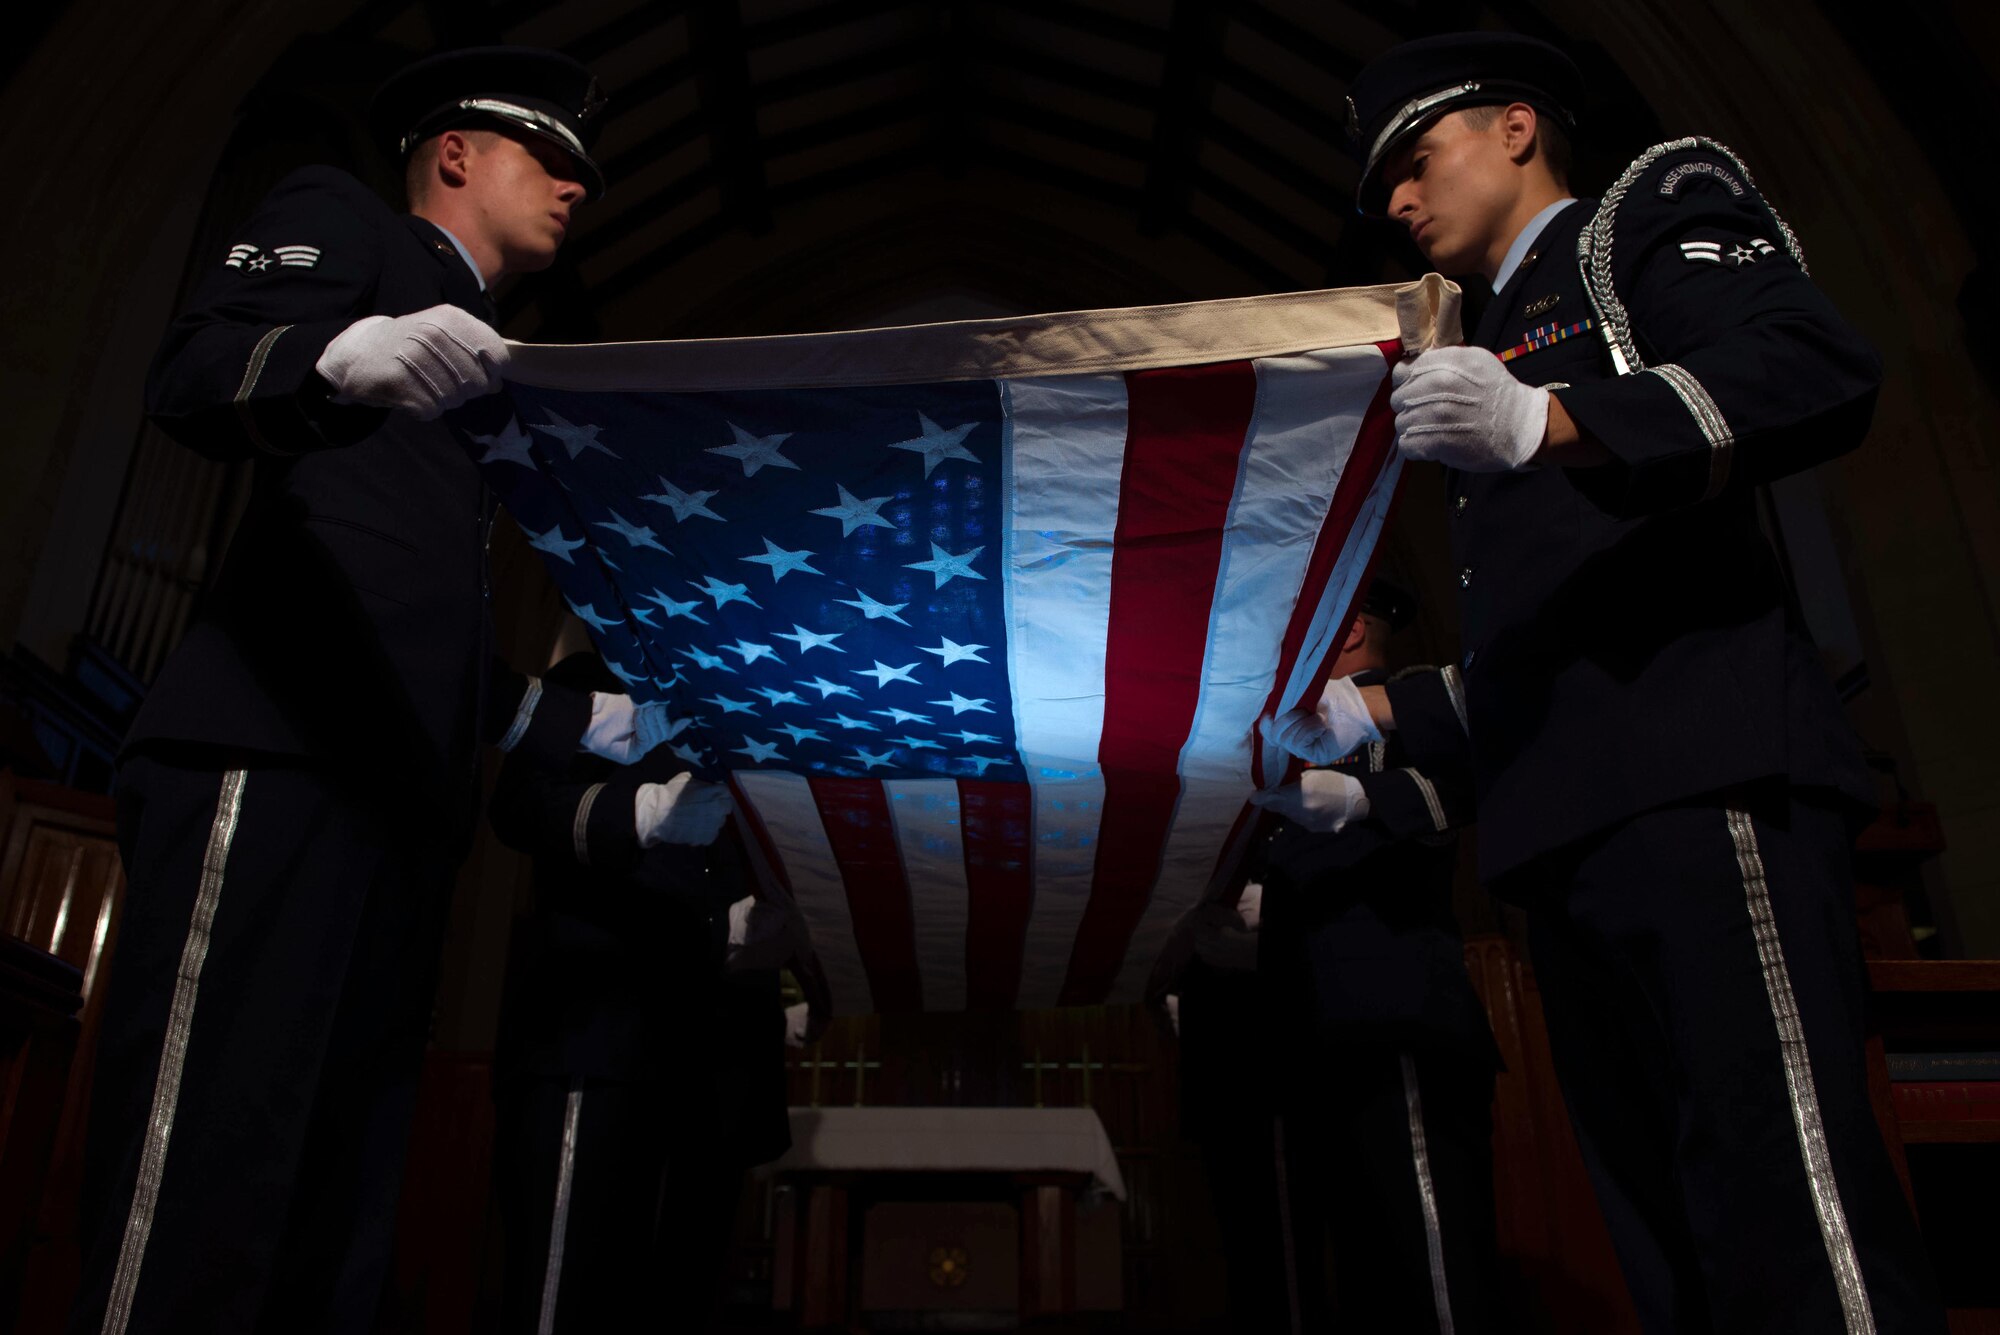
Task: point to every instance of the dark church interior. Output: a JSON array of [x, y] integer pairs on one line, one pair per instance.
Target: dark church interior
[[797, 166]]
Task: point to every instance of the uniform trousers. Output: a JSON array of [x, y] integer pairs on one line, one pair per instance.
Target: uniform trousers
[[611, 1223], [1381, 1165], [260, 1052], [1703, 983]]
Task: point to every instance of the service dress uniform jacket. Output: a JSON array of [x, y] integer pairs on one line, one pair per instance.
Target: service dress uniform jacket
[[632, 1064], [1662, 771], [294, 799]]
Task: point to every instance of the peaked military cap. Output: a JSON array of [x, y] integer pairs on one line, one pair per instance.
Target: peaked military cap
[[542, 93], [1399, 93], [1390, 601]]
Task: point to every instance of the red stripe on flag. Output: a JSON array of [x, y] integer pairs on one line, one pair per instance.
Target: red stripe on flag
[[997, 825], [1185, 429], [1374, 443], [855, 813]]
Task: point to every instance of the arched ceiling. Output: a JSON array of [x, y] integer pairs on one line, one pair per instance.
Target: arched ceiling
[[795, 164]]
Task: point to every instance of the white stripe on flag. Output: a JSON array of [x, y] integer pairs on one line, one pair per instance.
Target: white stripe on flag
[[1309, 411], [785, 804], [926, 817], [1208, 809], [1339, 590], [1067, 812], [1065, 457]]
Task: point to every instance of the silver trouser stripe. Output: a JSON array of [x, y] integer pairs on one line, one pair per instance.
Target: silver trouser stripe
[[173, 1056], [1286, 1239], [579, 829], [524, 715], [1454, 687], [1707, 415], [252, 372], [1420, 1157], [559, 1219], [1860, 1318], [1430, 793]]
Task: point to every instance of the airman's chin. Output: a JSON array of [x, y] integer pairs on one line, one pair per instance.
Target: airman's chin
[[533, 259]]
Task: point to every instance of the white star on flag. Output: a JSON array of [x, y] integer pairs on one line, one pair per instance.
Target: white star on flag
[[901, 716], [945, 567], [729, 706], [704, 659], [755, 452], [953, 652], [587, 614], [629, 678], [854, 513], [751, 652], [968, 738], [983, 762], [576, 439], [798, 734], [759, 752], [938, 443], [916, 744], [870, 759], [773, 696], [725, 593], [674, 609], [807, 639], [828, 688], [684, 503], [644, 616], [635, 534], [553, 543], [874, 610], [509, 447], [959, 704], [843, 721], [884, 674], [782, 562]]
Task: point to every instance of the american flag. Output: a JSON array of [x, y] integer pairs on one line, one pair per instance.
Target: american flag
[[976, 620]]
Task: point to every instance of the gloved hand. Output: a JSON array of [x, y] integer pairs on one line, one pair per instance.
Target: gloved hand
[[1250, 906], [1329, 731], [804, 1025], [422, 363], [680, 811], [1323, 801], [761, 934], [622, 731], [1461, 408]]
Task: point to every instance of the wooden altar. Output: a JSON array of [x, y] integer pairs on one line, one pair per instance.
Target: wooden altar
[[979, 1217]]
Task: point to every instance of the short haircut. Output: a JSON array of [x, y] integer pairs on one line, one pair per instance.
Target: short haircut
[[1551, 140]]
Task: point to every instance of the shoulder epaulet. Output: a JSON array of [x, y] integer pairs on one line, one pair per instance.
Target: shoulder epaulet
[[1704, 158]]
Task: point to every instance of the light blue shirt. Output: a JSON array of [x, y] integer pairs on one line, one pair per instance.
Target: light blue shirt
[[466, 255], [1519, 250]]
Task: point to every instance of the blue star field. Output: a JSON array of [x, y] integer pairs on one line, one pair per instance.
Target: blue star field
[[813, 576]]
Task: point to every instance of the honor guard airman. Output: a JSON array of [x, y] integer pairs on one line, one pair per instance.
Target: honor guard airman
[[302, 780], [1662, 770]]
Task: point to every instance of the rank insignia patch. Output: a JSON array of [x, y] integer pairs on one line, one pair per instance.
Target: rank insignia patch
[[1541, 305], [1738, 255], [1537, 339], [250, 259]]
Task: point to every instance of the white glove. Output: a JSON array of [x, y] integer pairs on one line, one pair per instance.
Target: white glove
[[1461, 408], [1173, 1008], [1323, 801], [622, 731], [761, 934], [680, 811], [422, 363], [1329, 731], [1250, 906], [804, 1024]]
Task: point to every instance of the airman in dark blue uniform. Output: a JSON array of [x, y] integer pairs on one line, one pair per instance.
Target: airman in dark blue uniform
[[1663, 774], [1343, 1087], [301, 783]]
